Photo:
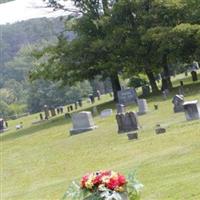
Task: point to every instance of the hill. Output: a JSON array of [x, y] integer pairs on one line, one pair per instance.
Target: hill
[[40, 161]]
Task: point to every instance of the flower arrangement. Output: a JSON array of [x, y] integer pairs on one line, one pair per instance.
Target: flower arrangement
[[104, 185]]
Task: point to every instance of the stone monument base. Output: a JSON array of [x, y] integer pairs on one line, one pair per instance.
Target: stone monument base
[[81, 130]]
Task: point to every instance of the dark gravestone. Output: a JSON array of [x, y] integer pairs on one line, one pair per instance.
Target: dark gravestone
[[6, 124], [67, 116], [127, 122], [61, 109], [98, 95], [76, 105], [181, 83], [41, 116], [68, 108], [178, 101], [80, 102], [132, 136], [145, 90], [92, 99], [194, 76], [155, 106], [159, 129], [53, 112], [1, 125], [186, 73], [127, 96], [192, 110], [71, 108], [46, 112]]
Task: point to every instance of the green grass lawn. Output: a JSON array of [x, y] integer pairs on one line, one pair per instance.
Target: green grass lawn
[[39, 162]]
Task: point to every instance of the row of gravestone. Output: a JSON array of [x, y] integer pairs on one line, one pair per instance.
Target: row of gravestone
[[51, 110], [128, 121]]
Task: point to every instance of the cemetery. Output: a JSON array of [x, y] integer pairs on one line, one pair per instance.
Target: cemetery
[[162, 145], [100, 100]]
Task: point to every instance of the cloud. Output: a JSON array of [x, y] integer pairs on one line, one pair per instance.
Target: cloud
[[19, 10]]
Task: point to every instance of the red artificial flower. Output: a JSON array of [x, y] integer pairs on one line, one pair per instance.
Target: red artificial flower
[[84, 180], [97, 181], [121, 180], [112, 184]]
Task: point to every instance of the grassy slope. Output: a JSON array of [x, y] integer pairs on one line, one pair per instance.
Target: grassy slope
[[40, 161]]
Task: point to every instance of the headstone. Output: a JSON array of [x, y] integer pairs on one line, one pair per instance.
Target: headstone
[[106, 113], [181, 83], [132, 136], [89, 101], [68, 108], [82, 122], [127, 96], [80, 102], [58, 110], [178, 101], [18, 126], [120, 108], [71, 108], [94, 111], [192, 110], [143, 107], [145, 90], [53, 112], [61, 109], [46, 112], [41, 116], [159, 129], [186, 73], [1, 125], [155, 106], [67, 116], [6, 124], [98, 95], [127, 122], [76, 105], [165, 93], [194, 75], [91, 97]]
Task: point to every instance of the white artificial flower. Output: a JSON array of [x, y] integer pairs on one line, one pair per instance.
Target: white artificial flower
[[111, 195]]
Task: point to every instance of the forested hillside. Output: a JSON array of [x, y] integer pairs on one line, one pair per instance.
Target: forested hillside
[[17, 94]]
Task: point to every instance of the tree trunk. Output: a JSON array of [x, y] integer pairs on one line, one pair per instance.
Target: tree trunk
[[166, 79], [115, 85], [152, 81]]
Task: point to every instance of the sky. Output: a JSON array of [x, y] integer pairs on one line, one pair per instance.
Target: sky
[[20, 10]]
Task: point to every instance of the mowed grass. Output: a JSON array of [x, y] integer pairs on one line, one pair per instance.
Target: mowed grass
[[40, 161]]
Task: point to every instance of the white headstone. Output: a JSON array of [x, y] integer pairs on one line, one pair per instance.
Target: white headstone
[[82, 122], [192, 110], [106, 113], [143, 107]]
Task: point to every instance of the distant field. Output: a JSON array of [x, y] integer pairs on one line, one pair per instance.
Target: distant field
[[38, 162]]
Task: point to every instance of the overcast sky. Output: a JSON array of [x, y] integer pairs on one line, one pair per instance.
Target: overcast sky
[[19, 10]]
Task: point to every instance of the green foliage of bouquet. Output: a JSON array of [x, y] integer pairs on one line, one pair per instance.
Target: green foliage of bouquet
[[104, 185]]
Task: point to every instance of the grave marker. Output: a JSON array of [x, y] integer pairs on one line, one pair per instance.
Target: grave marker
[[82, 122], [127, 96]]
